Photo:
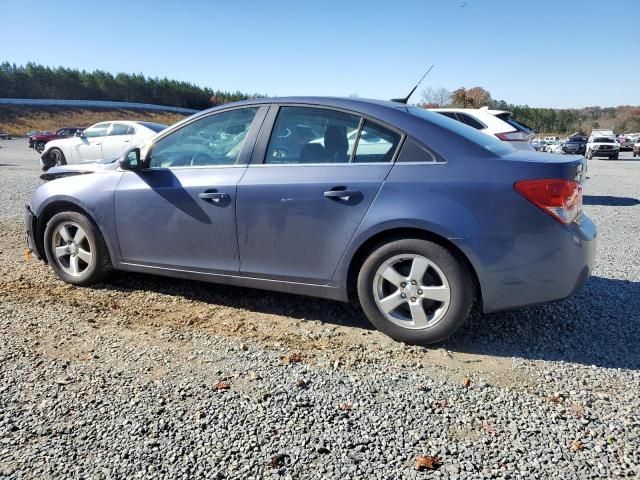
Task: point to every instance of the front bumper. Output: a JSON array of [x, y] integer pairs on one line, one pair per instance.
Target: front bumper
[[31, 223]]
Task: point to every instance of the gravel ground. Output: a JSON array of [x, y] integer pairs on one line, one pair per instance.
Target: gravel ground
[[147, 377]]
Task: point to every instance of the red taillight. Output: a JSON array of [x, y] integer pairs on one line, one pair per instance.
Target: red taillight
[[562, 199], [514, 136]]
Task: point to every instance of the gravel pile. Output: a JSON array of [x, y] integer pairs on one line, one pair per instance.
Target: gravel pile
[[147, 377]]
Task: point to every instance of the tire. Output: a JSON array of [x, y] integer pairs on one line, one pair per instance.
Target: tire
[[39, 146], [615, 157], [56, 157], [439, 318], [90, 268]]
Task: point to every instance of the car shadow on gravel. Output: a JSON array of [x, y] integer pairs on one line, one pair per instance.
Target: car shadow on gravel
[[260, 301], [606, 200], [600, 326]]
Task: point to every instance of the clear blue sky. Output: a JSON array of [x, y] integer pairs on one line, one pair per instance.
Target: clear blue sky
[[556, 53]]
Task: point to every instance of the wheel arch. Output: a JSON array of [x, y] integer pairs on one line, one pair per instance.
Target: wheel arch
[[62, 205], [401, 233]]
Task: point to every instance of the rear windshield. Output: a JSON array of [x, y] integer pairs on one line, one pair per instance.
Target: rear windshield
[[603, 140], [156, 127], [484, 140], [521, 127]]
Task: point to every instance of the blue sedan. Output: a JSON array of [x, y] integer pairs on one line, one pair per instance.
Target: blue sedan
[[410, 215]]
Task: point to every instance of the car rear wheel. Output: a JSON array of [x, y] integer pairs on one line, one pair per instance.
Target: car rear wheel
[[56, 157], [415, 291], [39, 147], [75, 249]]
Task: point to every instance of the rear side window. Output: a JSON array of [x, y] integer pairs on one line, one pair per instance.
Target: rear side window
[[376, 144], [120, 129], [312, 135]]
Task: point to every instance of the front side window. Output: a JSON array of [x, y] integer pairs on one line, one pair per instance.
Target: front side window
[[376, 144], [97, 130], [213, 140], [312, 135]]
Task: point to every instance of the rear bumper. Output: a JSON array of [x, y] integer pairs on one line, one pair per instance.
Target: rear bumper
[[30, 221], [533, 269]]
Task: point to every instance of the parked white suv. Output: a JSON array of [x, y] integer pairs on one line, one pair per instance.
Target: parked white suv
[[602, 143], [498, 123]]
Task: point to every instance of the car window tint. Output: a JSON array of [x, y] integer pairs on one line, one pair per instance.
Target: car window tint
[[376, 143], [213, 140], [449, 114], [472, 122], [119, 129], [312, 135], [99, 130]]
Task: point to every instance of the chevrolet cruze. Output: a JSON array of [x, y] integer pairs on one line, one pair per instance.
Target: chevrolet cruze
[[410, 214]]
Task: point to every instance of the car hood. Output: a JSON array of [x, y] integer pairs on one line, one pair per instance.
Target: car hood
[[80, 169]]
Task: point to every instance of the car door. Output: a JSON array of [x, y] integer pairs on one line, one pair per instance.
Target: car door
[[117, 140], [179, 211], [307, 189], [88, 147]]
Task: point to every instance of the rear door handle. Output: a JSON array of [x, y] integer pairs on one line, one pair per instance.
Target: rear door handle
[[215, 197], [343, 194]]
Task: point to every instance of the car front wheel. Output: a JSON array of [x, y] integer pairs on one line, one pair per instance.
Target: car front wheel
[[415, 291], [39, 146], [56, 157], [75, 249]]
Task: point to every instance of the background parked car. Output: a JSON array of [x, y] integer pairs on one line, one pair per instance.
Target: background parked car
[[498, 123], [5, 136], [636, 148], [575, 145], [626, 143], [602, 143], [39, 140], [104, 140]]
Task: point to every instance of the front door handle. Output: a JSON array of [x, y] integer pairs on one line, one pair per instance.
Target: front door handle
[[215, 197], [342, 194]]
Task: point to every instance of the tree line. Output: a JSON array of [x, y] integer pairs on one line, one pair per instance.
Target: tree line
[[38, 81], [621, 119]]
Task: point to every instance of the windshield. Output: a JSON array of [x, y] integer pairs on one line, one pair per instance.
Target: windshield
[[486, 141], [156, 127], [603, 140]]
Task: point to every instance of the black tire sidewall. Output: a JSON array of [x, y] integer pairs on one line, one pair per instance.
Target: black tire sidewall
[[62, 159], [97, 270], [458, 276]]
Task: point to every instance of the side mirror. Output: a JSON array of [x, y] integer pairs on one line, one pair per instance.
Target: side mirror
[[131, 159], [79, 133]]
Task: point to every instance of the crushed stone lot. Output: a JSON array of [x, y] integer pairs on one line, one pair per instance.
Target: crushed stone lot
[[149, 377]]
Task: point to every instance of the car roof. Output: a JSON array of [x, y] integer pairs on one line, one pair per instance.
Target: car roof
[[362, 105]]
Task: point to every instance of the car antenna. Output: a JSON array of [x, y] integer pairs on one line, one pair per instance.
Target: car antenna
[[406, 99]]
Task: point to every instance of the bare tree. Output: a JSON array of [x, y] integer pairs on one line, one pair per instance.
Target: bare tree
[[436, 97]]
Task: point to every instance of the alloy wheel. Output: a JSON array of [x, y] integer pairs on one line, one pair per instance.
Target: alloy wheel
[[411, 291], [71, 249]]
